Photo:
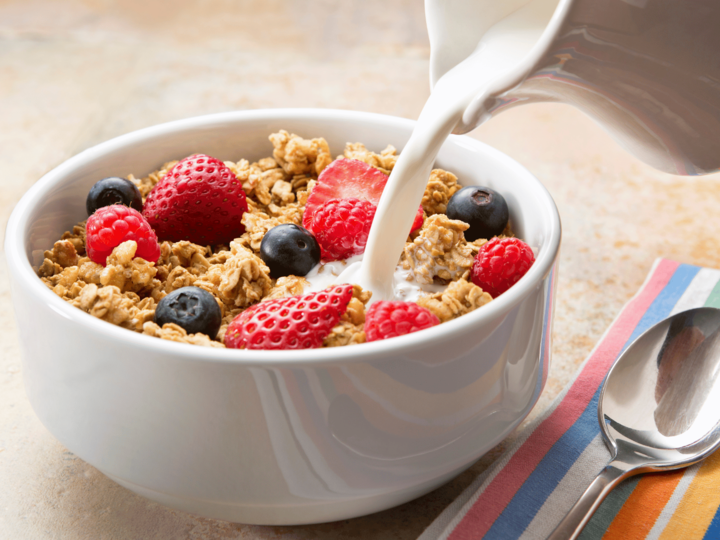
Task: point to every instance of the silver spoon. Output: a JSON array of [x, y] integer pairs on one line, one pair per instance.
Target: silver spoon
[[659, 408]]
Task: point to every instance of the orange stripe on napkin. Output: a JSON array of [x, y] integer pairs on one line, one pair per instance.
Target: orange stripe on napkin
[[642, 508], [698, 506]]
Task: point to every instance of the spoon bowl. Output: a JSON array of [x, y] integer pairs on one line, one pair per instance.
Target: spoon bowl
[[662, 392], [659, 407]]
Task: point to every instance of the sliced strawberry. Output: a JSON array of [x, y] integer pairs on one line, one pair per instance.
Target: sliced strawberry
[[349, 179], [419, 219], [295, 322]]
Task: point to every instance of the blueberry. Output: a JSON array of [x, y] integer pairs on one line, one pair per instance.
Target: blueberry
[[484, 209], [195, 309], [288, 249], [113, 190]]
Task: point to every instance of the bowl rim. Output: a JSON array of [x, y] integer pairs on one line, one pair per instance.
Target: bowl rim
[[23, 275]]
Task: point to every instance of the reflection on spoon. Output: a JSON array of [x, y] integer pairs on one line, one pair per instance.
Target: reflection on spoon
[[687, 374], [679, 343]]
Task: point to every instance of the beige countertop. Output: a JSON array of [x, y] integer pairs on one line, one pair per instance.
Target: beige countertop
[[77, 72]]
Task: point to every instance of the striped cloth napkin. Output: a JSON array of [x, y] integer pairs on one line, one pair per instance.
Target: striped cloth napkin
[[532, 486]]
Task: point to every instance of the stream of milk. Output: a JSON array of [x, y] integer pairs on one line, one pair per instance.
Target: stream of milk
[[510, 36]]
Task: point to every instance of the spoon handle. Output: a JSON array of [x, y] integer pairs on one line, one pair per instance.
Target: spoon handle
[[572, 524]]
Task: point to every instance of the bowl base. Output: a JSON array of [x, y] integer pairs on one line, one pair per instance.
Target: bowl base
[[296, 514]]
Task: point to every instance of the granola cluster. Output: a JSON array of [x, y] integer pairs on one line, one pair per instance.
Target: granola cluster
[[127, 289], [459, 298], [384, 161], [439, 252], [441, 186]]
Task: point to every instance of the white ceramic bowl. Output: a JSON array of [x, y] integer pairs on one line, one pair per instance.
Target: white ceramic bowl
[[280, 437]]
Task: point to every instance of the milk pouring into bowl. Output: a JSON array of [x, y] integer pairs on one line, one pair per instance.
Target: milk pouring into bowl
[[644, 69]]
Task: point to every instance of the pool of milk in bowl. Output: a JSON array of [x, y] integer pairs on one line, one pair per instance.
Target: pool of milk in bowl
[[404, 287]]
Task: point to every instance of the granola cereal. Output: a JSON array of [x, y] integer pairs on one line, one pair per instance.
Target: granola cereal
[[459, 298], [287, 286], [76, 237], [127, 272], [384, 161], [126, 290], [300, 156], [63, 253], [242, 280], [441, 186], [439, 251], [48, 268], [257, 223], [173, 332], [110, 304]]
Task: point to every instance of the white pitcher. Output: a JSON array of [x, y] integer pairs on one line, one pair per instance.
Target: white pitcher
[[647, 70]]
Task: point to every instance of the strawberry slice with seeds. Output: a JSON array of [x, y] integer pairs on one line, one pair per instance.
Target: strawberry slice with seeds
[[349, 179], [295, 322]]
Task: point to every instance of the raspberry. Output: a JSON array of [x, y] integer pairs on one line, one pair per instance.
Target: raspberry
[[199, 200], [390, 319], [296, 322], [342, 226], [110, 226], [500, 263], [349, 179]]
